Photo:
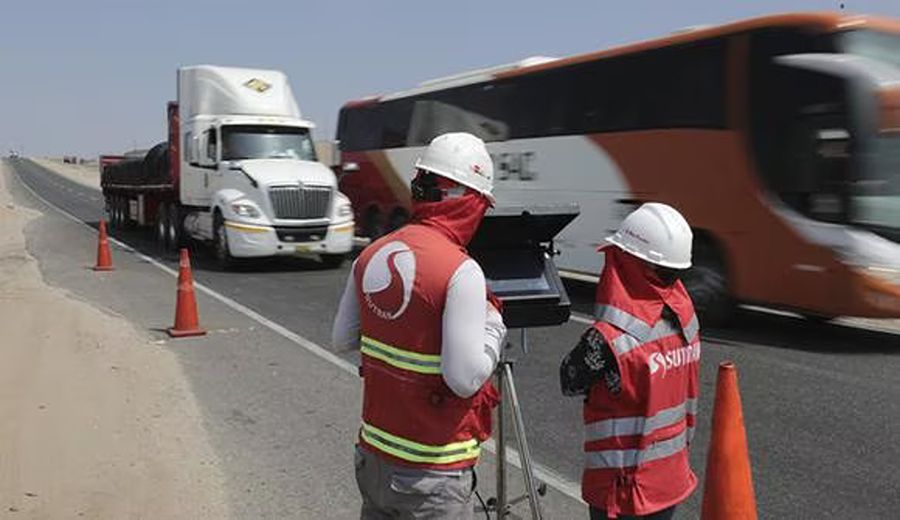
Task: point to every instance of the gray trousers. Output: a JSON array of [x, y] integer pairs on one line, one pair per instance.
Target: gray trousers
[[391, 492]]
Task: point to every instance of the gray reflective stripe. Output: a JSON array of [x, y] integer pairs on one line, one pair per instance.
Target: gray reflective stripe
[[604, 459], [691, 406], [690, 433], [623, 320], [626, 342], [692, 328], [637, 425]]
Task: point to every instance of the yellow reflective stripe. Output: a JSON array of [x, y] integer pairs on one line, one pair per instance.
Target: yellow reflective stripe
[[250, 228], [403, 359], [432, 358], [416, 452]]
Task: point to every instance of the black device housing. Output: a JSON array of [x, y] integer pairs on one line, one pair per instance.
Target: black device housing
[[514, 246]]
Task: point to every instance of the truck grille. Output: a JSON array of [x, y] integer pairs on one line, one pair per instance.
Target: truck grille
[[293, 202]]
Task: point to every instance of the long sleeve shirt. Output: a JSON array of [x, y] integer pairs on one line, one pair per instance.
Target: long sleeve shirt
[[472, 329]]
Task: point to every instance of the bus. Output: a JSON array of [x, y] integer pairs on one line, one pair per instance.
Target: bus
[[777, 137]]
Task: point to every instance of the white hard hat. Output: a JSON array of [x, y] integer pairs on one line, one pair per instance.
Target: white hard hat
[[658, 234], [462, 158]]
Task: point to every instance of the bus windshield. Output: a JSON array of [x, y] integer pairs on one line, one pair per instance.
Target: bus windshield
[[876, 196], [266, 142]]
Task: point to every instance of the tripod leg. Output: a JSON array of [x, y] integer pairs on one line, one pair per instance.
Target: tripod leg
[[524, 452], [501, 447]]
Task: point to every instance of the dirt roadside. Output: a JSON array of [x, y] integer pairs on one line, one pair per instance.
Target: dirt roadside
[[96, 421]]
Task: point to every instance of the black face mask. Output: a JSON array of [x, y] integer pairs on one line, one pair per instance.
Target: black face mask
[[667, 275], [424, 187]]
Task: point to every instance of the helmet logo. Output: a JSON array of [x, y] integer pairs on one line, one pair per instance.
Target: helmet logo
[[476, 168], [388, 280], [634, 235]]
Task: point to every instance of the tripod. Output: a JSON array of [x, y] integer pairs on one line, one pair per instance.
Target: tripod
[[509, 398]]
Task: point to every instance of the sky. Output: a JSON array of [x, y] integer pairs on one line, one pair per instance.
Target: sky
[[84, 77]]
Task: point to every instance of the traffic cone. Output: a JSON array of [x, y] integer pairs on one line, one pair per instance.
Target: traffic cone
[[104, 258], [186, 321], [728, 490]]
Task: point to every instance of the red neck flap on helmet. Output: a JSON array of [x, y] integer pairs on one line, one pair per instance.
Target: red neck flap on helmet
[[458, 218], [630, 285]]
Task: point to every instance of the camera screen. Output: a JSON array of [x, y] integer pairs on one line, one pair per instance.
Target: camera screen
[[515, 273]]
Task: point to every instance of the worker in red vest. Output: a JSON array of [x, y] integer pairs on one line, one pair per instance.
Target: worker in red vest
[[637, 368], [429, 336]]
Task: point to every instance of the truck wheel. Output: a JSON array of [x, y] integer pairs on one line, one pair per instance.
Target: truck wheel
[[111, 212], [220, 243], [161, 226], [332, 261], [173, 227], [707, 282]]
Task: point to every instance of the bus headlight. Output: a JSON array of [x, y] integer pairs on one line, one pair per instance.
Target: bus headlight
[[243, 209]]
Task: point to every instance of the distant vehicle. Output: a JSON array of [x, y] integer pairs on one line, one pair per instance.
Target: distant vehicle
[[13, 154], [238, 170], [777, 137]]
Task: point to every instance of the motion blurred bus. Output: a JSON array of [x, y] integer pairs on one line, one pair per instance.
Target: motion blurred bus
[[778, 138]]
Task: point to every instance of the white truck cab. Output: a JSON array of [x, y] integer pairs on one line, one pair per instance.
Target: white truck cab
[[249, 179]]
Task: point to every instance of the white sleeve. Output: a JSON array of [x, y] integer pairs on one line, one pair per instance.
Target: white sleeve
[[345, 330], [473, 332]]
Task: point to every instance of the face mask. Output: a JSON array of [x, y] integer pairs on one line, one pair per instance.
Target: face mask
[[666, 276]]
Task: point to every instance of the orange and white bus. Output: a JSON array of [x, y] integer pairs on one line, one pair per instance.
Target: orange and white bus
[[777, 137]]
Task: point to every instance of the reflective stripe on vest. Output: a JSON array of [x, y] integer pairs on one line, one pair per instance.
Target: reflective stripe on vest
[[624, 426], [420, 453], [691, 329], [605, 459], [402, 359], [623, 320], [637, 331]]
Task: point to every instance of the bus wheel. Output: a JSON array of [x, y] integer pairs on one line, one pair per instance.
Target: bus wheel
[[398, 219], [707, 282], [372, 225]]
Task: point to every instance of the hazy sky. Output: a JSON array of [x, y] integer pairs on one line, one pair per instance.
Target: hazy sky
[[92, 76]]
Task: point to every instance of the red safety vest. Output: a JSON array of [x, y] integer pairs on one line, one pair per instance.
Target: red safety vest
[[636, 441], [410, 416]]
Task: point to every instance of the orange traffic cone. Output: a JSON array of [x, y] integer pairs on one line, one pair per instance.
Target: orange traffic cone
[[186, 321], [104, 258], [728, 490]]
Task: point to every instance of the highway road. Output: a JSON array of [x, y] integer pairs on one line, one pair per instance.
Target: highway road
[[821, 402]]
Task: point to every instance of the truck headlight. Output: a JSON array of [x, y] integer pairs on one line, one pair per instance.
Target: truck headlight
[[242, 209], [344, 210]]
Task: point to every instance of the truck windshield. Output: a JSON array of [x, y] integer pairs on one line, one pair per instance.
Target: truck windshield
[[266, 142], [876, 194]]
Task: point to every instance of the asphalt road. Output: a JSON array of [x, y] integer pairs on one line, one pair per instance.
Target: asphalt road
[[821, 402]]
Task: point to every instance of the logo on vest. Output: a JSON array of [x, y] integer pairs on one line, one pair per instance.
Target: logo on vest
[[387, 283], [673, 359]]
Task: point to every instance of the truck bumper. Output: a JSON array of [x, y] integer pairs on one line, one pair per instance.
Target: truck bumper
[[253, 241]]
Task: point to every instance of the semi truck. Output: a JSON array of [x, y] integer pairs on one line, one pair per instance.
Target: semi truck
[[238, 171]]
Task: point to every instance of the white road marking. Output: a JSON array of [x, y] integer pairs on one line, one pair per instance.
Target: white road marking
[[543, 473]]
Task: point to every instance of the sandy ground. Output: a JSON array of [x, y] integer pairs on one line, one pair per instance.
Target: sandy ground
[[96, 421], [87, 174]]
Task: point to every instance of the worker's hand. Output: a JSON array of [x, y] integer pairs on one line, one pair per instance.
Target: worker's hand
[[495, 330]]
